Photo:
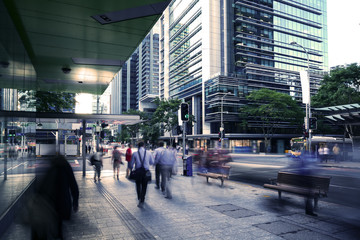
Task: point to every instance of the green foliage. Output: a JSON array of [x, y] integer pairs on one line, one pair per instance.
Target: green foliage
[[340, 87], [44, 101], [270, 110], [166, 114], [131, 131]]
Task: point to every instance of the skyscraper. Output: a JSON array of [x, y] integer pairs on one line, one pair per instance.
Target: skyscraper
[[209, 48]]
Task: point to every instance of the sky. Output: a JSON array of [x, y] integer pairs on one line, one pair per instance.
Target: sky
[[343, 31]]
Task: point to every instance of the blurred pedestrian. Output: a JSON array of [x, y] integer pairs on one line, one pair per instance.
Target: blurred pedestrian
[[336, 152], [128, 155], [158, 154], [142, 160], [167, 163], [321, 153], [326, 153], [56, 195], [97, 162], [116, 161]]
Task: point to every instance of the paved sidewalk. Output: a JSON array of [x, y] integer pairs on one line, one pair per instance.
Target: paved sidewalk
[[198, 210]]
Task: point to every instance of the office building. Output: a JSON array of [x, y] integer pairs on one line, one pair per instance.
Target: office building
[[123, 87], [213, 48]]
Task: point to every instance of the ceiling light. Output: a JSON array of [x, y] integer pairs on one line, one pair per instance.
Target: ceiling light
[[66, 70]]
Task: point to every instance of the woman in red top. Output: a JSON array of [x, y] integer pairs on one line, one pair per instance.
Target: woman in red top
[[128, 159]]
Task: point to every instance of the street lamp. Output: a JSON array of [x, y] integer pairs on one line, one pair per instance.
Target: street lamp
[[222, 124], [308, 105]]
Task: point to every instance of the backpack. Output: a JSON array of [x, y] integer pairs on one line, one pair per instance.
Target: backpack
[[92, 159], [117, 155]]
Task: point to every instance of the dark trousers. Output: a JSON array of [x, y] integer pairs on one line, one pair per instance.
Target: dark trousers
[[141, 186], [165, 178], [97, 168], [157, 175]]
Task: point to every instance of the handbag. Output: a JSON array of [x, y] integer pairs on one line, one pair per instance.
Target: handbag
[[141, 172]]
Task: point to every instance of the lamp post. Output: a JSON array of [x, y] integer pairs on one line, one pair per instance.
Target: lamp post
[[308, 105], [222, 124]]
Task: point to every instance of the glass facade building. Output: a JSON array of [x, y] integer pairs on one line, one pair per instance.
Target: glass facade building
[[209, 48], [123, 87]]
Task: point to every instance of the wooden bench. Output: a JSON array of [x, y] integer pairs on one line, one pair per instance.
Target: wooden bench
[[222, 174], [304, 185]]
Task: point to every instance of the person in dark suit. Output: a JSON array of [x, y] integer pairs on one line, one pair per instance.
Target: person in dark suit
[[142, 160], [56, 195]]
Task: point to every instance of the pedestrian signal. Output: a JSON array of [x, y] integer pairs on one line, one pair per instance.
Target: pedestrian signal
[[313, 123], [184, 112]]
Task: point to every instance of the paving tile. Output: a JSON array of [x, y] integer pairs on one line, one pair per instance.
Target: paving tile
[[306, 234], [279, 227], [326, 226]]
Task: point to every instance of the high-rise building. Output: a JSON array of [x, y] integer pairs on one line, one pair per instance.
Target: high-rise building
[[123, 87], [147, 71], [8, 99], [137, 83], [213, 48]]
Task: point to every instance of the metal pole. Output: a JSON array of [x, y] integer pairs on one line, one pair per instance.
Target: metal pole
[[222, 123], [84, 146], [308, 105], [184, 149]]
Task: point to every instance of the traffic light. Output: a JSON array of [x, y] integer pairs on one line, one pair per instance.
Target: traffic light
[[12, 133], [184, 112], [306, 134], [313, 123]]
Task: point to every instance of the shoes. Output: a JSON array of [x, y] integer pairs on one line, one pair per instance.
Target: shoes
[[94, 179], [117, 177], [141, 204], [157, 187], [168, 197], [99, 179], [312, 214]]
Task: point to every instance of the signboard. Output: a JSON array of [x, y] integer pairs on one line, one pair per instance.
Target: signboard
[[305, 86]]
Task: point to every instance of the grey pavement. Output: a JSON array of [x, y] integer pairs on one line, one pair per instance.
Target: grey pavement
[[198, 210]]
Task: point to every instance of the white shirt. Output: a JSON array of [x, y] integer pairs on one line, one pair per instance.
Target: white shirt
[[158, 154], [147, 161]]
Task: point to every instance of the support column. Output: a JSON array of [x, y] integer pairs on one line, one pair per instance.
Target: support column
[[6, 150], [84, 146]]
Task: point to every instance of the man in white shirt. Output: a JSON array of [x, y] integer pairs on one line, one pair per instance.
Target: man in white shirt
[[167, 162], [141, 159], [158, 154]]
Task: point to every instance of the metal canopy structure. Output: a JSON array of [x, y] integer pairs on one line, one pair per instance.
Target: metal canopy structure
[[342, 114], [73, 46], [39, 117]]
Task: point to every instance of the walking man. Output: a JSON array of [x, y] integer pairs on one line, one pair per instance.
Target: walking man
[[98, 164], [158, 155], [168, 161], [142, 161], [116, 161]]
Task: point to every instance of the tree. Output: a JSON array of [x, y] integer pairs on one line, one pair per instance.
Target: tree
[[44, 101], [270, 110], [339, 87], [131, 131], [166, 114]]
